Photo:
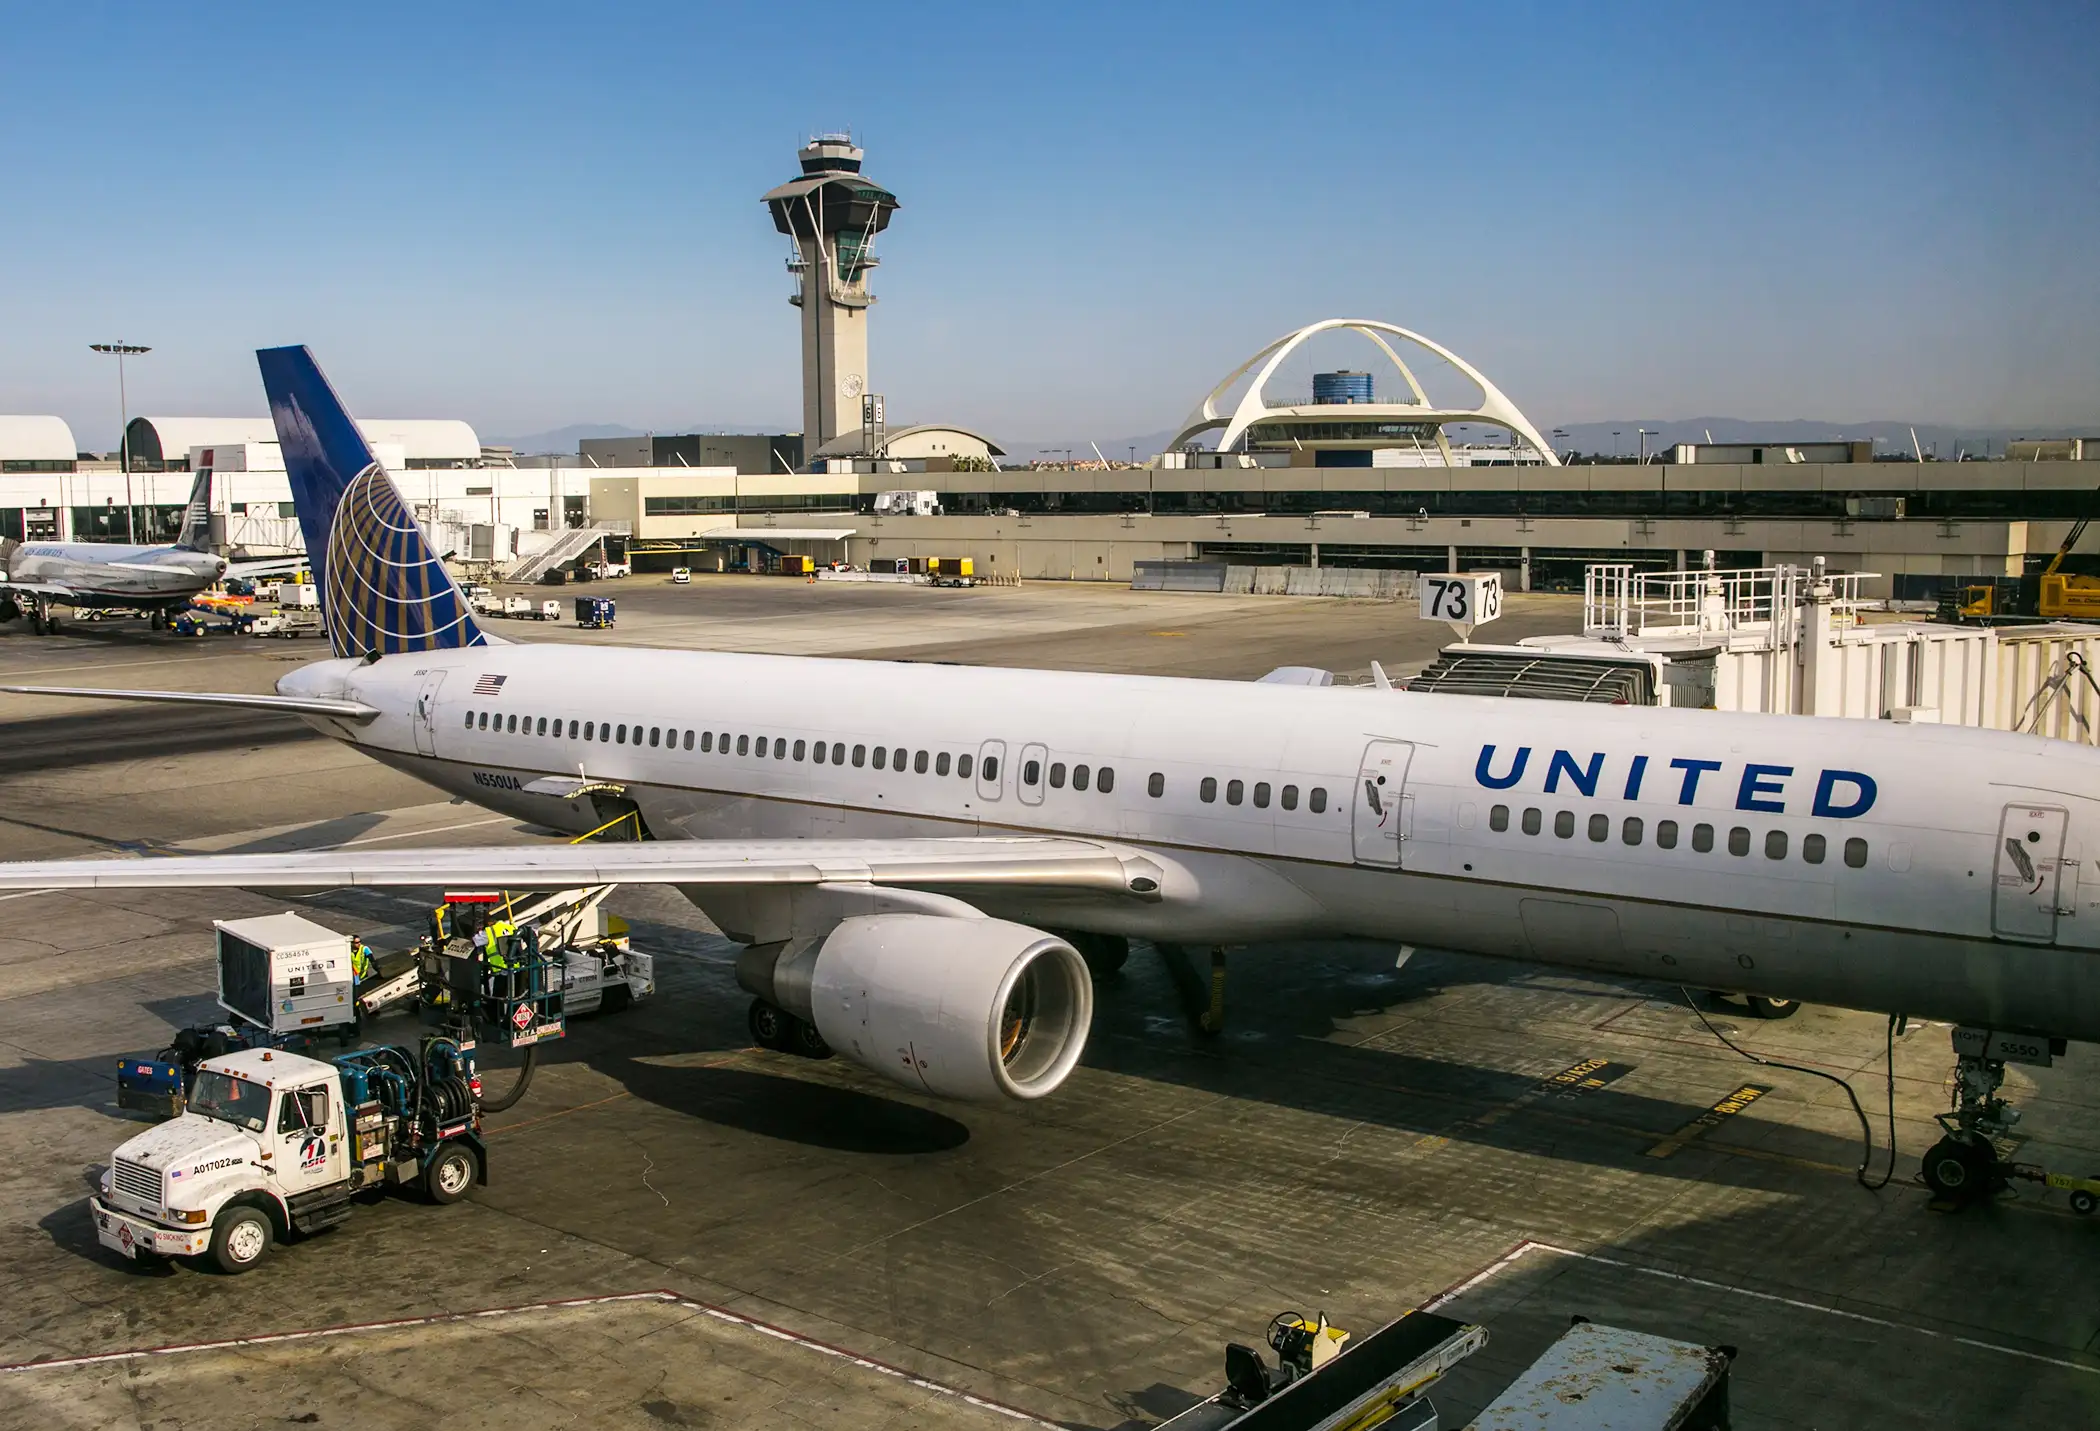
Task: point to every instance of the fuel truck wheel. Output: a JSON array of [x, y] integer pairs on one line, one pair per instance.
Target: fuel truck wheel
[[1764, 1008], [450, 1174], [240, 1238], [1959, 1171]]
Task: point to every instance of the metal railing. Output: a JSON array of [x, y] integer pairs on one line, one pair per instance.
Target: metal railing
[[1759, 603]]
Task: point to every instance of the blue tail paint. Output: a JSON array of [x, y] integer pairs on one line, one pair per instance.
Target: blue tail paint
[[382, 589]]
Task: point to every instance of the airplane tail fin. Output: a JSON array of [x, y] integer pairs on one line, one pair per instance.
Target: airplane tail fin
[[196, 517], [382, 588]]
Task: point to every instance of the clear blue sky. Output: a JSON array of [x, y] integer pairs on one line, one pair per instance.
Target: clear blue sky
[[530, 215]]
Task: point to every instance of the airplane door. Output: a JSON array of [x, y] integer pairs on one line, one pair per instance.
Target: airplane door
[[426, 713], [2029, 868], [1383, 810], [991, 757]]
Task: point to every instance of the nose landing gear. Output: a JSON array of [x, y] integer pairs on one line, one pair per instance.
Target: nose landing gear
[[1967, 1165]]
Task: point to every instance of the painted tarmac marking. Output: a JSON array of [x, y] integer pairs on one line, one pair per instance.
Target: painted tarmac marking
[[1582, 1076], [1525, 1248], [1712, 1118], [663, 1297]]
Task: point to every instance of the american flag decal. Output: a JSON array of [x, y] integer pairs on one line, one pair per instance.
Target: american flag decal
[[489, 685]]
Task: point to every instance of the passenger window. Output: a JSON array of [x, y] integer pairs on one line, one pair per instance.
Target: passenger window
[[1564, 824], [838, 753], [991, 768], [1290, 801], [513, 729], [1738, 841], [816, 752], [1856, 853], [881, 758], [1498, 817], [470, 720], [918, 763], [1666, 834], [1812, 849], [1531, 821], [1317, 801], [1703, 838], [859, 753], [572, 730], [964, 764], [707, 742], [1600, 829], [743, 745], [758, 747], [688, 740], [1261, 794], [1207, 792], [1155, 785], [654, 732], [1630, 832], [1235, 790], [1775, 844], [1105, 781], [799, 748], [1031, 773], [589, 729], [780, 747], [620, 737], [1079, 777], [722, 744], [543, 726], [940, 763], [1057, 775], [484, 721]]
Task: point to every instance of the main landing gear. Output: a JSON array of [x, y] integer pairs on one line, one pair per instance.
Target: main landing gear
[[775, 1028], [1968, 1165]]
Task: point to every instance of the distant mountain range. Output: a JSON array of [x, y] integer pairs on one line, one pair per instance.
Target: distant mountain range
[[1937, 439]]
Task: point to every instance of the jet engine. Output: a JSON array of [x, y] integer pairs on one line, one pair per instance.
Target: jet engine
[[980, 1010]]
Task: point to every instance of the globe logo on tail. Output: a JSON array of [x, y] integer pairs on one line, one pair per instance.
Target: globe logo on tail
[[382, 589]]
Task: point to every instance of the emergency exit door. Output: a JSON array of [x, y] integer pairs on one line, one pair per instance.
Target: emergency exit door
[[2029, 872], [1383, 811]]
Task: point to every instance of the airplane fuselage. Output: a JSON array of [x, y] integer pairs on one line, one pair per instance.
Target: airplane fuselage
[[1934, 870], [102, 574]]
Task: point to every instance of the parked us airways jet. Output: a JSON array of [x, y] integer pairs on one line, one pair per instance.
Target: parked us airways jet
[[917, 861], [101, 576]]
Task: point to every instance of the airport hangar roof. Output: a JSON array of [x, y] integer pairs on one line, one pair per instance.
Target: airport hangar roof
[[36, 439], [926, 439], [420, 439]]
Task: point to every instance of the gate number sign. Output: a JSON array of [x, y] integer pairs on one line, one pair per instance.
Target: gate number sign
[[1462, 600]]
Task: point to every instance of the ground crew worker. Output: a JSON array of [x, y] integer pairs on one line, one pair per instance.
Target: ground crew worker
[[361, 967]]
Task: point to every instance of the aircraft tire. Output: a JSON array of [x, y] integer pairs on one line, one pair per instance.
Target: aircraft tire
[[1959, 1170], [803, 1039], [1764, 1008], [768, 1026]]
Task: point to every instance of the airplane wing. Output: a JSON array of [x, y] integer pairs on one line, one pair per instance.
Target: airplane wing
[[969, 860], [290, 705], [40, 588]]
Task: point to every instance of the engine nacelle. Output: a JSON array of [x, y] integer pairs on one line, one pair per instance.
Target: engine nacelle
[[982, 1010]]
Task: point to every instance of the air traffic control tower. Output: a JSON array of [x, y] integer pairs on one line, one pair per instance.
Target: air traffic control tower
[[832, 214]]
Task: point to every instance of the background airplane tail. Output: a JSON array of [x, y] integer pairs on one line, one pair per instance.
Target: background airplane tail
[[382, 588], [196, 517]]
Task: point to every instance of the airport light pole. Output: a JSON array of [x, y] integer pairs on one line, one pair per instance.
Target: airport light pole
[[1615, 444], [122, 351], [1645, 433]]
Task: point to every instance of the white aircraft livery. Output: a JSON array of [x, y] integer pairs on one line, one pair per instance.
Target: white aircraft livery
[[921, 858], [101, 576]]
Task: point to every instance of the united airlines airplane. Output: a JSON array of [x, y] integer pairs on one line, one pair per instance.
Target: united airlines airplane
[[102, 576], [921, 862]]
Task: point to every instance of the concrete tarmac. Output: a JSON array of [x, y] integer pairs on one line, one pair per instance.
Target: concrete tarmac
[[1363, 1139]]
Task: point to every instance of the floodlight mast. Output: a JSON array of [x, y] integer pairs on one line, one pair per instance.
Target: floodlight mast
[[121, 351]]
